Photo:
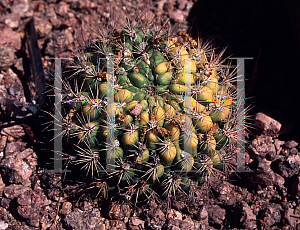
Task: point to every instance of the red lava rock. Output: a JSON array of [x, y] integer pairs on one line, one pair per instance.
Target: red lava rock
[[135, 223], [50, 12], [55, 194], [293, 151], [43, 27], [226, 193], [12, 20], [9, 38], [83, 219], [278, 145], [7, 56], [291, 144], [271, 215], [180, 224], [270, 156], [173, 214], [30, 205], [16, 131], [70, 22], [85, 205], [155, 219], [14, 190], [117, 224], [6, 3], [22, 8], [262, 145], [2, 185], [56, 23], [119, 210], [182, 4], [289, 217], [100, 226], [245, 215], [296, 188], [60, 41], [18, 64], [7, 217], [267, 124], [62, 8], [5, 202], [168, 6], [202, 214], [18, 167], [177, 16], [216, 215], [263, 174], [11, 148], [288, 166], [3, 141], [279, 182], [66, 208]]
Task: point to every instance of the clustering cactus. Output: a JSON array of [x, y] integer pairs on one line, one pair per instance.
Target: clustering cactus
[[147, 112]]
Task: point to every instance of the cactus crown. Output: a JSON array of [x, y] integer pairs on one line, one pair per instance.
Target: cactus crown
[[149, 110]]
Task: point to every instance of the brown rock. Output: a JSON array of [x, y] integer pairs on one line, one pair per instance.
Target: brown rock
[[295, 189], [11, 148], [173, 214], [291, 144], [43, 27], [2, 186], [9, 38], [18, 167], [177, 16], [66, 208], [271, 215], [56, 23], [50, 12], [3, 141], [60, 41], [202, 214], [182, 4], [22, 8], [289, 217], [278, 145], [12, 20], [246, 215], [14, 190], [6, 57], [117, 225], [16, 131], [82, 220], [262, 145], [288, 166], [155, 219], [267, 124], [31, 204], [62, 8], [135, 223], [216, 215], [168, 6], [180, 224]]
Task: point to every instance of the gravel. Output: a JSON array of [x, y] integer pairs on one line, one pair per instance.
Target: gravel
[[33, 198]]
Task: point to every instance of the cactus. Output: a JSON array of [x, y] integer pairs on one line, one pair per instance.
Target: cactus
[[163, 119]]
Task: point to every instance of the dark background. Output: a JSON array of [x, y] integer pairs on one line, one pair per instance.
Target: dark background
[[268, 31]]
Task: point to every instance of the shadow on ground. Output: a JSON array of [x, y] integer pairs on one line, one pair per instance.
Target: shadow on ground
[[268, 33]]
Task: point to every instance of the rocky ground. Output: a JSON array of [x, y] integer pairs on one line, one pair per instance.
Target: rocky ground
[[267, 197]]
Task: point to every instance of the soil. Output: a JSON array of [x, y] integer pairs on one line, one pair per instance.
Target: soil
[[267, 196]]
